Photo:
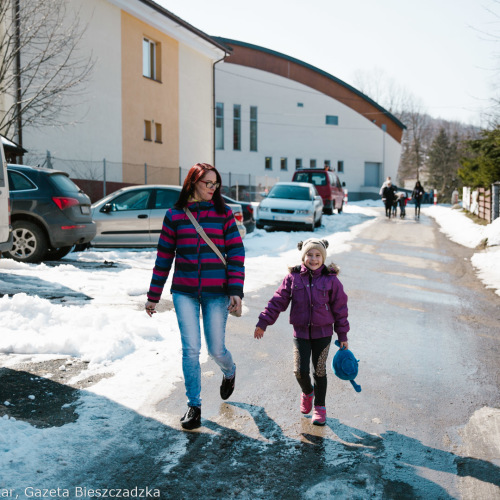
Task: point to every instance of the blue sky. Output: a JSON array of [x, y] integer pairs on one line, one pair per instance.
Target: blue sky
[[437, 50]]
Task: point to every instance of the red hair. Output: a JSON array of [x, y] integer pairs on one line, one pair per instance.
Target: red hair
[[196, 173]]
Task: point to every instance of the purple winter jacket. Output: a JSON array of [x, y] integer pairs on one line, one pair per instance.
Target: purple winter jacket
[[319, 306]]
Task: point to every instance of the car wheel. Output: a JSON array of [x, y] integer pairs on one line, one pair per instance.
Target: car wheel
[[57, 253], [328, 210], [258, 225], [339, 210], [318, 223], [30, 242]]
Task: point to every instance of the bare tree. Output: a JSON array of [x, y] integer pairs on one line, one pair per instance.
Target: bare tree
[[41, 68], [383, 89], [407, 108]]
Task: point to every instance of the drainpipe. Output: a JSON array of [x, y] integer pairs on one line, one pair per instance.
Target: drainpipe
[[213, 101]]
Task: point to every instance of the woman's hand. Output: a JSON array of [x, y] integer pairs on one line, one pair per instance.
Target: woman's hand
[[344, 345], [259, 333], [150, 308], [234, 304]]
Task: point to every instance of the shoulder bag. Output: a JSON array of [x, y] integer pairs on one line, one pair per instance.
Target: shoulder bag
[[211, 244]]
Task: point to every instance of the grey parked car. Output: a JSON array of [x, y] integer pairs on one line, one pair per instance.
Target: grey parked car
[[133, 216], [50, 214]]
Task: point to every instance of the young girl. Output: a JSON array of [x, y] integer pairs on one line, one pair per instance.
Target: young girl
[[319, 306]]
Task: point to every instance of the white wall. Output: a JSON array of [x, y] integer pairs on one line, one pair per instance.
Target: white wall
[[97, 129], [195, 108], [284, 129]]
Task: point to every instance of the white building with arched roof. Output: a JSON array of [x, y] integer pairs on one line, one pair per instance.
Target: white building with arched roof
[[275, 114]]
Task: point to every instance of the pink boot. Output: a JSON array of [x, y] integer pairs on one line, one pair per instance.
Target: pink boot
[[319, 415], [306, 402]]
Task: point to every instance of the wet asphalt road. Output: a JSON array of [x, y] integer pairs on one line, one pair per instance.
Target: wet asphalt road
[[426, 424], [426, 333]]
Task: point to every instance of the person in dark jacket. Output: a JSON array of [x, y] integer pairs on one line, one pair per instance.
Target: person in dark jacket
[[389, 197], [201, 281], [417, 195], [319, 306]]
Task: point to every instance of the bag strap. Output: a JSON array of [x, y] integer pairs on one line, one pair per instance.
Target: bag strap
[[202, 233]]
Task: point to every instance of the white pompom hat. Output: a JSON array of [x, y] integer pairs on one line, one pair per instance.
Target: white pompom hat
[[305, 246]]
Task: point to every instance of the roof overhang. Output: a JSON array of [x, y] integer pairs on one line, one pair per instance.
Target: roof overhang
[[165, 21], [253, 56], [11, 146]]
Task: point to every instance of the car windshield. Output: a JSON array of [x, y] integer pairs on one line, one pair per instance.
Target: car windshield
[[290, 192]]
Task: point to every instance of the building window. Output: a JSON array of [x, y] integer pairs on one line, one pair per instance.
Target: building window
[[327, 164], [340, 166], [298, 163], [253, 128], [284, 163], [158, 132], [332, 120], [237, 127], [219, 125], [151, 59], [312, 163], [147, 130], [268, 163]]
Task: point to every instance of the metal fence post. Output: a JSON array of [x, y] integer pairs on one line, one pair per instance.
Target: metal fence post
[[495, 194], [49, 160], [104, 177]]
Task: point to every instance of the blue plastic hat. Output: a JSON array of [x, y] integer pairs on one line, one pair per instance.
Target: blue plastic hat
[[345, 366]]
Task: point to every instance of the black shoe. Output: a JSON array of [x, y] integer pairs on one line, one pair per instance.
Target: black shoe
[[192, 418], [227, 386]]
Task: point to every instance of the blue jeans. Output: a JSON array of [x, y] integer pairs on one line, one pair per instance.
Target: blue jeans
[[214, 312]]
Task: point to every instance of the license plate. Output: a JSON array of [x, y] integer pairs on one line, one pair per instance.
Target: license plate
[[280, 217], [85, 209]]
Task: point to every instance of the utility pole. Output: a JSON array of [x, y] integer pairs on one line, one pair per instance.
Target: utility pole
[[17, 43]]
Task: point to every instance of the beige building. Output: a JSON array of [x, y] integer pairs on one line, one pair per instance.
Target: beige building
[[147, 109]]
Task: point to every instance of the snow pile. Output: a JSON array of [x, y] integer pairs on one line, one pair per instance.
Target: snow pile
[[459, 228]]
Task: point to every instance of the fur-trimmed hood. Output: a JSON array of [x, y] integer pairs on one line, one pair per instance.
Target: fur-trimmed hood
[[326, 269]]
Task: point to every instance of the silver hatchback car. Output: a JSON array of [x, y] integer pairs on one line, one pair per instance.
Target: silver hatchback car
[[133, 216]]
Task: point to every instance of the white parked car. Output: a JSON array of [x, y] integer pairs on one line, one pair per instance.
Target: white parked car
[[133, 216], [295, 205]]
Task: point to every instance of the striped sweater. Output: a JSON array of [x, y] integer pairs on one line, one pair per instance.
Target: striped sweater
[[198, 270]]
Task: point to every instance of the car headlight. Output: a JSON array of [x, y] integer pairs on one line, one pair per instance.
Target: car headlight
[[302, 212], [263, 209]]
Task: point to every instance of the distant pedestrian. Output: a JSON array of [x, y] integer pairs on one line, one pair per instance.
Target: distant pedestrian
[[319, 307], [402, 199], [388, 197], [384, 184], [417, 195]]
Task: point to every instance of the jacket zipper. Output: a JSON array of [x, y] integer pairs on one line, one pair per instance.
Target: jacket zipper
[[311, 304]]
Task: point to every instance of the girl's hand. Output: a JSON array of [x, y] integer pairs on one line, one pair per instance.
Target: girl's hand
[[259, 333], [150, 308], [344, 345]]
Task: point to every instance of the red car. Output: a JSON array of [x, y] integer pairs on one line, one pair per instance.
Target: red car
[[328, 185]]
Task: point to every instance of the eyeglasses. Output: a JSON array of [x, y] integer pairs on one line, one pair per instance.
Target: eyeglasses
[[211, 184]]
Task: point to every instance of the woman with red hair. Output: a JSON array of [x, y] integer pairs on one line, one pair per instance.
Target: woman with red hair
[[200, 280]]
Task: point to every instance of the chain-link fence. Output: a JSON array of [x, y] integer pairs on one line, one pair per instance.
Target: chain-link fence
[[99, 178], [242, 187]]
